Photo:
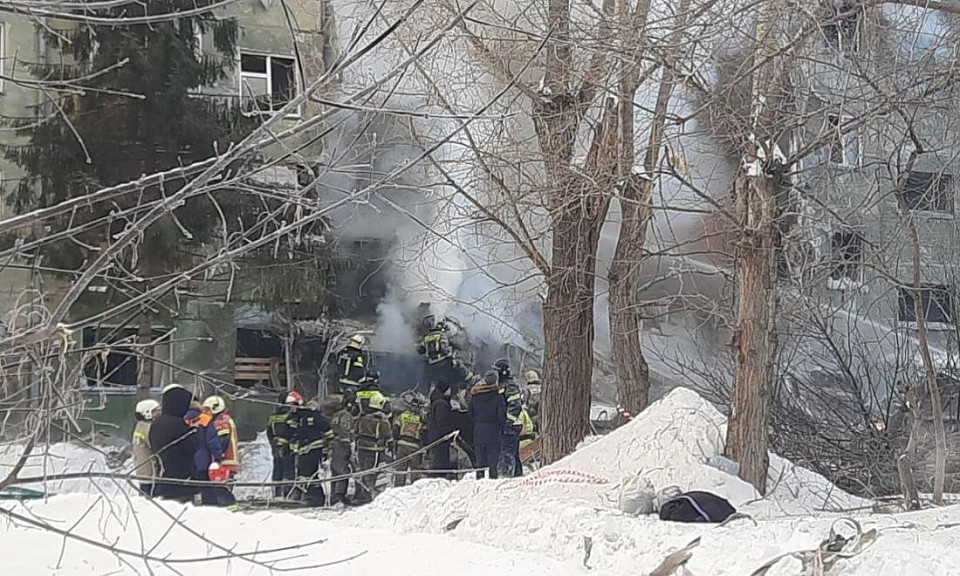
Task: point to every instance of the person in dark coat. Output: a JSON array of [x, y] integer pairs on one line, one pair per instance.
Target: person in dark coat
[[510, 464], [439, 424], [175, 443], [279, 435], [488, 410]]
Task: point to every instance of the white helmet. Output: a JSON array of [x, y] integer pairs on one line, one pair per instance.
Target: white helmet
[[357, 341], [215, 404], [531, 376], [145, 408]]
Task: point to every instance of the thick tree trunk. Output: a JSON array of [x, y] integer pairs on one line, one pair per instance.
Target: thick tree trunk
[[756, 196], [756, 335], [568, 331], [633, 373]]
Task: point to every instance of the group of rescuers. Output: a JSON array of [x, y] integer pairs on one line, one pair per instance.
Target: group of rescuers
[[486, 419]]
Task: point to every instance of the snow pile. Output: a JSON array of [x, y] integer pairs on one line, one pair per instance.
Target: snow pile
[[137, 526], [669, 444], [569, 510], [55, 459]]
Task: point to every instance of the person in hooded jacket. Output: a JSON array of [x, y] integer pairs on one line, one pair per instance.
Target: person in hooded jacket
[[439, 424], [209, 455], [488, 410], [175, 443]]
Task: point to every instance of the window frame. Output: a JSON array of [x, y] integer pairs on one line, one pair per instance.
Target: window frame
[[834, 122], [944, 183], [165, 369], [268, 77], [951, 314], [3, 56], [844, 281]]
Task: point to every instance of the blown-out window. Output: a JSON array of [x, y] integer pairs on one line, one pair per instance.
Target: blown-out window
[[936, 304]]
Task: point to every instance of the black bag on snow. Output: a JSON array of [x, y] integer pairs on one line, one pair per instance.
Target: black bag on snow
[[697, 507]]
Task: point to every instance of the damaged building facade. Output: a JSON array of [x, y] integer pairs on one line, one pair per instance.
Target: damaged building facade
[[228, 328]]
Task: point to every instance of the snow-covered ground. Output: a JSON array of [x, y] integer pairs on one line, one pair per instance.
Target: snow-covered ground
[[565, 519]]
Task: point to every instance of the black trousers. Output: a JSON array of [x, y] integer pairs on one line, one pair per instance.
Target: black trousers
[[309, 485], [284, 468], [488, 456]]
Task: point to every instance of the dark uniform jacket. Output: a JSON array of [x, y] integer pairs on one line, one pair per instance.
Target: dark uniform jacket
[[488, 410], [175, 443]]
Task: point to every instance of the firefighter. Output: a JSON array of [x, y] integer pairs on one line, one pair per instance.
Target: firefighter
[[312, 434], [369, 387], [409, 432], [374, 435], [352, 364], [510, 439], [443, 365], [227, 433], [532, 394], [341, 448], [279, 435]]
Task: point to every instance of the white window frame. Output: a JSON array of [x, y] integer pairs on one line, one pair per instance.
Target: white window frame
[[268, 77], [3, 56], [845, 283], [834, 123]]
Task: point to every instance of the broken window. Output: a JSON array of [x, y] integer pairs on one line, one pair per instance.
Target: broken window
[[844, 141], [842, 27], [846, 257], [928, 191], [267, 83], [116, 356], [936, 304]]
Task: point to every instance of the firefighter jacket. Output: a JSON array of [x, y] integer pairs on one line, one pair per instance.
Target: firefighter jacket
[[311, 431], [278, 432], [229, 441], [374, 432], [514, 397], [144, 462], [352, 366], [409, 429], [435, 346], [342, 425], [527, 432]]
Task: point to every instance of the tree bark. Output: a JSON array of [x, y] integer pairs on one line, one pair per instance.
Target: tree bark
[[755, 192], [756, 334], [633, 373]]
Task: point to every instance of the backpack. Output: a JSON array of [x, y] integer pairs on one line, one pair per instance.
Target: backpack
[[697, 507]]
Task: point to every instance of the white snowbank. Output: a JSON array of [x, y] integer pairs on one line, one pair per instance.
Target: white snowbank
[[571, 506], [59, 458], [138, 525]]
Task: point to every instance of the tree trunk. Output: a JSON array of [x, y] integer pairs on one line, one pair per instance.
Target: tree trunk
[[755, 192], [756, 334], [568, 332], [633, 373], [145, 363]]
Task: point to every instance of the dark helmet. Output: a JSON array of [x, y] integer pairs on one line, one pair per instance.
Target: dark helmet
[[502, 366]]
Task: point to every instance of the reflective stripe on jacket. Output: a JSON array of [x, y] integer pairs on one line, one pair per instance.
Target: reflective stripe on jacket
[[230, 439]]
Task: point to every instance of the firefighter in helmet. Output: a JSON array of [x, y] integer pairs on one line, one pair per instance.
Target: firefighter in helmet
[[409, 433], [352, 364], [374, 436]]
